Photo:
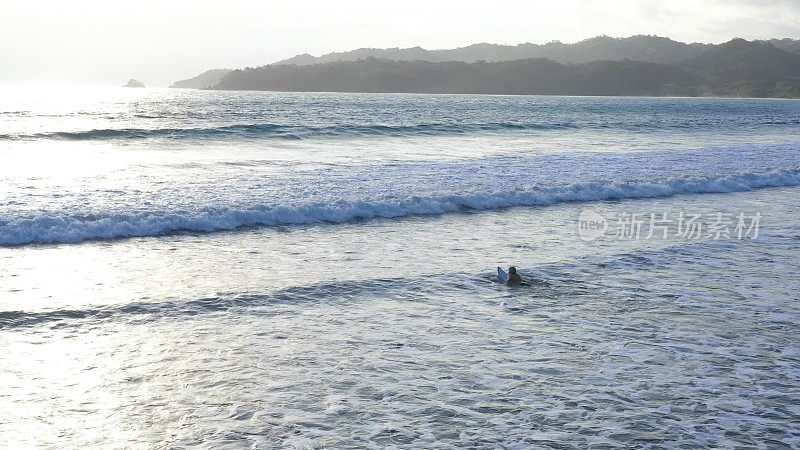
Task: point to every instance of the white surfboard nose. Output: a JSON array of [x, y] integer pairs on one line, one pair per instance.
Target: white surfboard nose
[[502, 275]]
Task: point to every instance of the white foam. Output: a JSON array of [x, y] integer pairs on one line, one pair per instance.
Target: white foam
[[64, 227]]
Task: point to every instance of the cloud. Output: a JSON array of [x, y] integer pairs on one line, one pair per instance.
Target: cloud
[[159, 42]]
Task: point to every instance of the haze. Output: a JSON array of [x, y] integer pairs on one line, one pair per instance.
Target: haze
[[100, 42]]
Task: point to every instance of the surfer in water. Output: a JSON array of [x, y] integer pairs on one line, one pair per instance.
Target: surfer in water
[[513, 277]]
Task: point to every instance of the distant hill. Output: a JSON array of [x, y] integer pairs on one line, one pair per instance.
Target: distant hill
[[525, 76], [202, 81], [637, 48], [790, 45], [637, 65], [757, 69]]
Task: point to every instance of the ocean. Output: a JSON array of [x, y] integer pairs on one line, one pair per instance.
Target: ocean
[[210, 269]]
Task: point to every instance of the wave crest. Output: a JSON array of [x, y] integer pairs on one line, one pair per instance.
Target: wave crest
[[64, 227], [292, 132]]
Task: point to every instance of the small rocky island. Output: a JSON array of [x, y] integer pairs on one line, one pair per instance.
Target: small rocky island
[[133, 84]]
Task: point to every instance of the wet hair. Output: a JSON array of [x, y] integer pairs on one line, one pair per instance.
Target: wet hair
[[512, 269]]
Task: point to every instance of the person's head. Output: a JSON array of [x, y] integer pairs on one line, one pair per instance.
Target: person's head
[[512, 269]]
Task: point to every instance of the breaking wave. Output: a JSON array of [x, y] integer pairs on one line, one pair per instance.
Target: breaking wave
[[291, 132], [63, 227]]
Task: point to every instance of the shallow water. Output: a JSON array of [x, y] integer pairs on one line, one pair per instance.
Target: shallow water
[[205, 280]]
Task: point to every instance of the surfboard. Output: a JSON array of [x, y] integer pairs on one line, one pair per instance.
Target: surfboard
[[502, 275]]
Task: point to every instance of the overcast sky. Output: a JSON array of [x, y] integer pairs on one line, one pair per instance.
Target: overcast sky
[[161, 41]]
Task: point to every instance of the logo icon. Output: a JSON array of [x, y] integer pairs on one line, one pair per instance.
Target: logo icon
[[591, 225]]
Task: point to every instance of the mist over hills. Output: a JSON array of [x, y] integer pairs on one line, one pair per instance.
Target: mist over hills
[[790, 45], [638, 65], [522, 76], [754, 65], [637, 48], [204, 80]]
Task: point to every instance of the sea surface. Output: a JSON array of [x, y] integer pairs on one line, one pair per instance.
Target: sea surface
[[205, 269]]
